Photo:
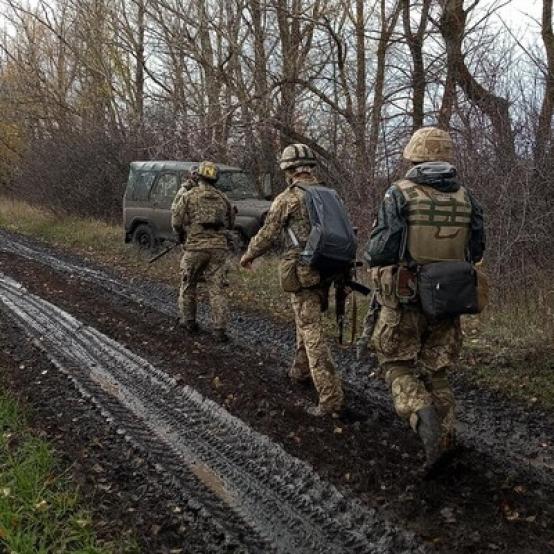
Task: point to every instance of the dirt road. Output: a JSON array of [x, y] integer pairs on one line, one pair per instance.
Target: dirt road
[[224, 437]]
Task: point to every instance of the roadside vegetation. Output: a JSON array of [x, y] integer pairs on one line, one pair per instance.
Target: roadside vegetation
[[40, 509], [514, 337]]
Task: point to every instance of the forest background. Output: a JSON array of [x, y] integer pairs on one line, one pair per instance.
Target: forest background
[[86, 86]]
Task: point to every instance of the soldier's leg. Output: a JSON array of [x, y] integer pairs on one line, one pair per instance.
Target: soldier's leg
[[408, 391], [192, 264], [307, 308], [397, 341], [215, 275], [300, 369], [440, 351]]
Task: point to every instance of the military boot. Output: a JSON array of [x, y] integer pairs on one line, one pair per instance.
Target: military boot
[[430, 433]]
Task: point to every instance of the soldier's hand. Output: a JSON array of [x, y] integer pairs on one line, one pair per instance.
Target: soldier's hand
[[246, 262]]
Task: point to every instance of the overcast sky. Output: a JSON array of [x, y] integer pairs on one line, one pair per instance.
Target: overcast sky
[[517, 12]]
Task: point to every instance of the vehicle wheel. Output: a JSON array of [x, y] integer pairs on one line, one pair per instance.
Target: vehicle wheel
[[144, 238]]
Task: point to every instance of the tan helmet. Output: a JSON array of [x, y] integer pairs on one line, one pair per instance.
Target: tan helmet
[[429, 144], [296, 155], [208, 171]]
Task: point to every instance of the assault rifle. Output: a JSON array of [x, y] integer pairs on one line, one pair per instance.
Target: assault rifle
[[163, 252], [342, 285], [362, 344]]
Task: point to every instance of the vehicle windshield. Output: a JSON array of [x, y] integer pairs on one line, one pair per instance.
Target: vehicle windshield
[[237, 185]]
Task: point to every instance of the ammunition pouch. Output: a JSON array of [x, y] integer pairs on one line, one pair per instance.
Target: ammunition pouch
[[448, 289], [295, 275], [406, 285]]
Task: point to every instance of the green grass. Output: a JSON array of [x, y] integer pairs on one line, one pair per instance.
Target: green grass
[[40, 509]]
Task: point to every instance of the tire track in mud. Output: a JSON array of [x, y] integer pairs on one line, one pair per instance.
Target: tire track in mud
[[509, 434], [285, 504]]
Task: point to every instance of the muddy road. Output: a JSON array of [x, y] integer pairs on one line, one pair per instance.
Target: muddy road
[[223, 436]]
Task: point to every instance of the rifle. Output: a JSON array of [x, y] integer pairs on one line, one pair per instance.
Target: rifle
[[163, 252], [341, 285], [369, 324], [340, 305]]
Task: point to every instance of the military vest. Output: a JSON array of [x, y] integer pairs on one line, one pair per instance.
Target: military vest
[[208, 207], [438, 223]]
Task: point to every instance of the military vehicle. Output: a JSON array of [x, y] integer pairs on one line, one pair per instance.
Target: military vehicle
[[152, 186]]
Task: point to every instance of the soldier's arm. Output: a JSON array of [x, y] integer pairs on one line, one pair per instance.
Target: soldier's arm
[[179, 215], [477, 237], [387, 235], [271, 230]]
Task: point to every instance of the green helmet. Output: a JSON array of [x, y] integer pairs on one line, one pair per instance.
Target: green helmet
[[296, 155], [429, 144], [208, 171]]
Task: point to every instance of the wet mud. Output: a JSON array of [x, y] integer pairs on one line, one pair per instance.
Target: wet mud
[[495, 496]]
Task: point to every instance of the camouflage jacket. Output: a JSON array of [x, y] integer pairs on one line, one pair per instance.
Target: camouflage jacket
[[186, 212], [387, 236], [288, 210]]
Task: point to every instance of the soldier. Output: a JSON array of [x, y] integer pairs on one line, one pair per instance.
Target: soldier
[[190, 182], [203, 214], [288, 214], [426, 217]]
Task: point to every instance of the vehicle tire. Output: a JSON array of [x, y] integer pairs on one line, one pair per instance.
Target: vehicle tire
[[144, 238]]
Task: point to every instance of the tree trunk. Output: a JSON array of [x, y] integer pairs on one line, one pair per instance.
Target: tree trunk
[[452, 27]]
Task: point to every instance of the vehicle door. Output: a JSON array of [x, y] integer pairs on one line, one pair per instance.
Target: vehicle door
[[161, 196], [136, 199]]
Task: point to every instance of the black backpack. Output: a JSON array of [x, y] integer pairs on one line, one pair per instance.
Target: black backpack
[[331, 245]]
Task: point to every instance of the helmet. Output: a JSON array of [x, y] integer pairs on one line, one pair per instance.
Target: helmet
[[296, 155], [429, 144], [208, 171]]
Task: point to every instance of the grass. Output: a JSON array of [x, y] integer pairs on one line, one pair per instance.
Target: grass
[[510, 346], [40, 509]]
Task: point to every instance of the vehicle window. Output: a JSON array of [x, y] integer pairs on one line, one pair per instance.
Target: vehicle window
[[165, 189], [142, 181], [237, 185]]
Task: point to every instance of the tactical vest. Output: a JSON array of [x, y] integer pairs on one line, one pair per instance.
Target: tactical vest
[[438, 223], [209, 208]]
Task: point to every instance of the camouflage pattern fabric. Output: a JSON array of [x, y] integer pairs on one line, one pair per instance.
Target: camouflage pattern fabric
[[312, 358], [429, 144], [209, 266], [287, 210], [415, 355], [187, 211]]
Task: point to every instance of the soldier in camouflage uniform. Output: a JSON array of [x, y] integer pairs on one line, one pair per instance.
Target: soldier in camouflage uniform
[[189, 183], [288, 216], [426, 217], [203, 214]]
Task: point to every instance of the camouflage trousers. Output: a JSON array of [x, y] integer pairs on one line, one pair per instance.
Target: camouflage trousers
[[210, 266], [415, 355], [312, 358]]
